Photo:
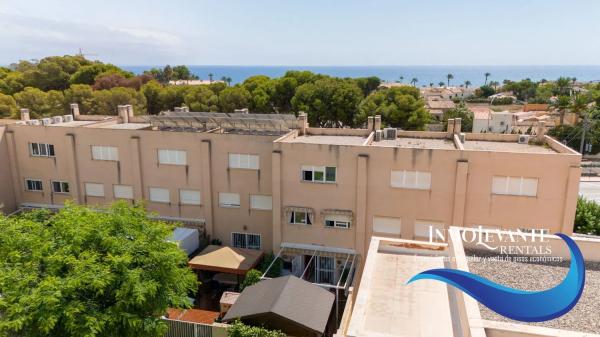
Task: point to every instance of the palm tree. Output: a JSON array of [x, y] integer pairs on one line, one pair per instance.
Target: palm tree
[[228, 80], [561, 104], [414, 81], [494, 84], [562, 85], [441, 84], [449, 77], [467, 84], [401, 79], [486, 77], [431, 84], [210, 77], [224, 79]]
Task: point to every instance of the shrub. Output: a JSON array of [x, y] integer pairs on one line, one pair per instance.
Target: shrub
[[239, 329], [275, 270], [587, 217], [252, 277]]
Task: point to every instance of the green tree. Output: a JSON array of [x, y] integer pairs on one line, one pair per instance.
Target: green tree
[[81, 94], [441, 84], [562, 104], [400, 107], [151, 91], [285, 89], [172, 96], [485, 91], [414, 81], [107, 101], [261, 88], [8, 106], [276, 267], [587, 217], [467, 84], [231, 98], [449, 77], [12, 83], [35, 100], [88, 74], [486, 77], [86, 273], [460, 111], [368, 84], [183, 73], [239, 329], [201, 98], [252, 277], [51, 73]]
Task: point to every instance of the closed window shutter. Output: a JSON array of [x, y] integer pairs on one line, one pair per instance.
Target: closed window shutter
[[262, 202], [94, 190], [189, 197], [229, 199], [159, 194], [123, 191]]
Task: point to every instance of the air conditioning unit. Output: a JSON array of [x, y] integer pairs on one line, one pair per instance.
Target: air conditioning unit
[[378, 135], [524, 139], [57, 119], [46, 121], [67, 118], [390, 133], [33, 122], [21, 123]]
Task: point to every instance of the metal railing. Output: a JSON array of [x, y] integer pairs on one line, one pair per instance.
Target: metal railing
[[187, 329]]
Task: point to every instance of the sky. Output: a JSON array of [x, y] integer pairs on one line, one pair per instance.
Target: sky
[[305, 32]]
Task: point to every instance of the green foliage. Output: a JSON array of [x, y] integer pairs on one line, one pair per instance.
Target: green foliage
[[40, 103], [276, 268], [88, 74], [503, 101], [460, 111], [400, 107], [523, 90], [81, 94], [239, 329], [587, 217], [252, 277], [86, 273], [201, 98], [368, 84], [8, 106], [485, 91], [261, 88], [107, 101], [232, 98]]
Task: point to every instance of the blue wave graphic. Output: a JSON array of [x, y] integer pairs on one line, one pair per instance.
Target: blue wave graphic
[[520, 305]]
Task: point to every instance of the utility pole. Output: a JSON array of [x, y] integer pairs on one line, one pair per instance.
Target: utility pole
[[586, 125]]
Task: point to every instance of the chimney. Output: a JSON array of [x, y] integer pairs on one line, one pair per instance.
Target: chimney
[[457, 125], [370, 123], [450, 130], [540, 132], [75, 110], [129, 111], [123, 113], [24, 114], [303, 120], [377, 122]]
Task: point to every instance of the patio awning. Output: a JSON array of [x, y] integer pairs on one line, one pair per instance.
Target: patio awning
[[226, 259]]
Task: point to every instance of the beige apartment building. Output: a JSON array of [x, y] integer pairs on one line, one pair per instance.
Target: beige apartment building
[[271, 181]]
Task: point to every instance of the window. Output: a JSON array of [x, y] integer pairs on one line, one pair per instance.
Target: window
[[245, 240], [243, 161], [94, 190], [515, 186], [60, 187], [189, 197], [33, 185], [159, 195], [411, 179], [337, 221], [387, 225], [324, 269], [105, 153], [41, 150], [172, 157], [321, 174], [300, 218], [261, 202], [123, 191], [229, 200]]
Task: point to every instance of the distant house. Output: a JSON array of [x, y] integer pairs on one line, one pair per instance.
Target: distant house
[[292, 305], [486, 120], [437, 106], [193, 82]]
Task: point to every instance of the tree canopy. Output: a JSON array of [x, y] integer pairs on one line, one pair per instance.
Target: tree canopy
[[398, 106], [81, 272]]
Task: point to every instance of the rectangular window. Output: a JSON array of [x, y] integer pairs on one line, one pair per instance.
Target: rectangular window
[[319, 174], [94, 190], [105, 153], [337, 221], [159, 195], [229, 200], [41, 150], [243, 161], [33, 185], [300, 218], [245, 240], [261, 202], [411, 179], [60, 187], [387, 225], [172, 157], [123, 192], [519, 186], [189, 197]]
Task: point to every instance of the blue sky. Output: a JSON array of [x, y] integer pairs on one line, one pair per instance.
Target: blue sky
[[307, 32]]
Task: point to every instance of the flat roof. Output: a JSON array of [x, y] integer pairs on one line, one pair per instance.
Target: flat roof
[[535, 276], [417, 143], [327, 140], [125, 126], [386, 306], [500, 146], [73, 123]]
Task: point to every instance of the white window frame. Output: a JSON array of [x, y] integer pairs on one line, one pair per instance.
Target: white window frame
[[190, 197], [118, 189], [33, 181], [244, 161], [504, 185], [246, 240], [318, 169], [172, 157], [222, 195], [337, 223], [153, 196], [292, 218], [64, 187], [105, 153], [261, 202], [414, 180], [89, 189], [42, 149]]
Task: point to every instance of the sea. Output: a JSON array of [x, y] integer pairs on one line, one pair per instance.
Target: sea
[[424, 74]]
